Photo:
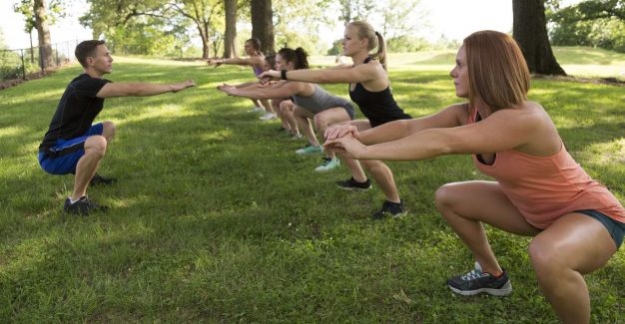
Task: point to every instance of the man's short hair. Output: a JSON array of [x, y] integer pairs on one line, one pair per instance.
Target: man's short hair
[[87, 49]]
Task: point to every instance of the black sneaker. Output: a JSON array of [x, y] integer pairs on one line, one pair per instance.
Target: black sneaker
[[352, 184], [98, 180], [392, 209], [476, 281], [83, 206]]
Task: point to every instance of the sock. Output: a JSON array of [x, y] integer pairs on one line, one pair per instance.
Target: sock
[[72, 201]]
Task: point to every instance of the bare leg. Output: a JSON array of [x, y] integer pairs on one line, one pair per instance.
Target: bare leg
[[383, 176], [256, 103], [287, 106], [267, 105], [574, 245], [303, 116], [95, 149], [466, 205]]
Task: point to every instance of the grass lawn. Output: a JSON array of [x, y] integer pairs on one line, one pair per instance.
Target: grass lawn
[[215, 219]]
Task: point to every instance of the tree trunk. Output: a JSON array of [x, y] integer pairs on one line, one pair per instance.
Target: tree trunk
[[230, 37], [262, 24], [203, 30], [45, 45], [530, 31]]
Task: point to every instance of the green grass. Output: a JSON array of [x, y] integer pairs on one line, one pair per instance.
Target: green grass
[[215, 219]]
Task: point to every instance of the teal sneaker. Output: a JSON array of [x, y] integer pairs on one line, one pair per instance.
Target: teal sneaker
[[328, 164], [309, 149]]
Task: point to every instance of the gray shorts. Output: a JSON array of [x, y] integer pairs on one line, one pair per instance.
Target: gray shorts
[[615, 228]]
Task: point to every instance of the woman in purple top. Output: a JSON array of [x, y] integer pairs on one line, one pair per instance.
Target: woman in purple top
[[256, 60]]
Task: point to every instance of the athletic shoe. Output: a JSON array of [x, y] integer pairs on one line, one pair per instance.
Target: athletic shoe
[[296, 136], [309, 149], [328, 164], [83, 206], [268, 116], [476, 281], [354, 185], [257, 109], [100, 180], [392, 209]]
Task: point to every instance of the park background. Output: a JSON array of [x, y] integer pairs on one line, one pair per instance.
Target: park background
[[216, 220]]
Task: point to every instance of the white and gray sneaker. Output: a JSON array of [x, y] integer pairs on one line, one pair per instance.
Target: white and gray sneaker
[[268, 116]]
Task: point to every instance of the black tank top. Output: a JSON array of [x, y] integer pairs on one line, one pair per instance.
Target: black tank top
[[378, 107]]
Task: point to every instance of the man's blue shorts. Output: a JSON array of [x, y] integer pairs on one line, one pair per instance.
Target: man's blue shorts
[[616, 229], [63, 157]]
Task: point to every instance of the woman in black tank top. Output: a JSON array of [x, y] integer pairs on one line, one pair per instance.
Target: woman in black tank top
[[370, 89]]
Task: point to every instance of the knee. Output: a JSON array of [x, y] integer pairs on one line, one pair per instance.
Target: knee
[[321, 123], [544, 257], [444, 196], [96, 145], [284, 106], [448, 199], [376, 167], [108, 130]]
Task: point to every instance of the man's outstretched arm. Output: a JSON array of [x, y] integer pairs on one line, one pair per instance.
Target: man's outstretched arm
[[141, 89]]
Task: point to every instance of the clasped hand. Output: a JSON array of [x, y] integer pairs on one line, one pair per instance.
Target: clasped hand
[[343, 140]]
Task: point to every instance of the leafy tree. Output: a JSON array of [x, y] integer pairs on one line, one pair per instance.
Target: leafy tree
[[406, 44], [401, 18], [590, 10], [589, 23], [204, 15], [356, 10], [297, 24], [105, 15], [148, 36], [530, 31], [40, 15]]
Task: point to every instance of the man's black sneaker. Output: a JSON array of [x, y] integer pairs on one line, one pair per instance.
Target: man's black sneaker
[[476, 281], [392, 209], [99, 180], [352, 184], [83, 206]]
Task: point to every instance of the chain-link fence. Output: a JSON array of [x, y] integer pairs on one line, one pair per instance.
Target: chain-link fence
[[20, 63]]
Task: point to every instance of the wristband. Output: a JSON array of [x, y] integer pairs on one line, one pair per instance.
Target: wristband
[[283, 74]]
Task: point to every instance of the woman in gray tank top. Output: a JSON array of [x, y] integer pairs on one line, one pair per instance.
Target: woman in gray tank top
[[312, 103]]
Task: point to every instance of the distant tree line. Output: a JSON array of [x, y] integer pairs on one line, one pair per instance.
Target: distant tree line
[[169, 27], [589, 23]]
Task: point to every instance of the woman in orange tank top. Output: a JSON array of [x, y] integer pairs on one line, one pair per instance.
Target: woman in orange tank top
[[539, 190]]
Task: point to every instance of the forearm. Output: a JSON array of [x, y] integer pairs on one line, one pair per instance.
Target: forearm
[[235, 61], [418, 146], [252, 93], [149, 89], [385, 133], [313, 76]]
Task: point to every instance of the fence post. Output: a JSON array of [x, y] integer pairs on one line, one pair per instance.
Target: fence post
[[23, 64]]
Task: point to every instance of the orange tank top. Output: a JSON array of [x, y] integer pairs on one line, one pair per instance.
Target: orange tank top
[[546, 188]]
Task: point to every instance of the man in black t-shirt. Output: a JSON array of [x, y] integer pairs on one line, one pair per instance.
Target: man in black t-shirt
[[72, 144]]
